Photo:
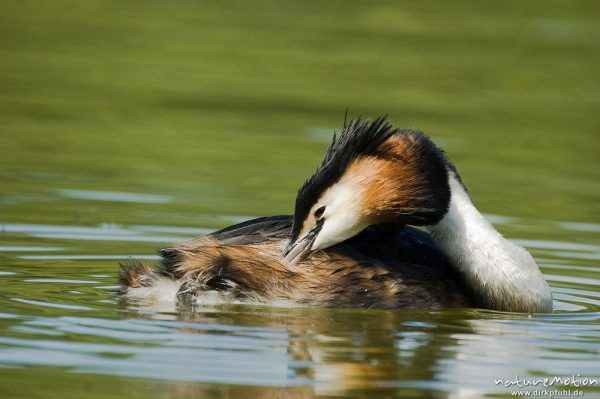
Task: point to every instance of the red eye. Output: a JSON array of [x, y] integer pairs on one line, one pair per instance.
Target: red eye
[[319, 212]]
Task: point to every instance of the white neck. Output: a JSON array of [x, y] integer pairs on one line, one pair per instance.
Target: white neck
[[502, 275]]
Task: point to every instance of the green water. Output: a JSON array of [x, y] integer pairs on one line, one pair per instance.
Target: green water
[[126, 126]]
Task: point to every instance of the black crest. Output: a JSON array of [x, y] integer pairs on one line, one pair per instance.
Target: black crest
[[358, 139]]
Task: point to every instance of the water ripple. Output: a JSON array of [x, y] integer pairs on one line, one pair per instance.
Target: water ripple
[[115, 196], [163, 350], [51, 304]]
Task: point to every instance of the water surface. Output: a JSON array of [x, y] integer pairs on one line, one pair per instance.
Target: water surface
[[125, 127]]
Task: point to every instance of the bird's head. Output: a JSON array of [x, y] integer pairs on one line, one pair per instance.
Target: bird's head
[[372, 173]]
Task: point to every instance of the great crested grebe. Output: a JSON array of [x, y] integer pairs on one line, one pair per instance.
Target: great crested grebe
[[349, 243]]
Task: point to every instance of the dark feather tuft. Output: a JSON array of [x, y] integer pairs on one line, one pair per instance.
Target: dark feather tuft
[[358, 139], [135, 274]]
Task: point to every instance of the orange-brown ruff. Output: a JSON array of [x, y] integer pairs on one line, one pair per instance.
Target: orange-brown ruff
[[387, 265]]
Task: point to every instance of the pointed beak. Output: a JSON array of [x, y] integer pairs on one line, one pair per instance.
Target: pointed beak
[[296, 252]]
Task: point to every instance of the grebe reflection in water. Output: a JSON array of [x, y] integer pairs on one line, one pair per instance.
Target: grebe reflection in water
[[349, 243]]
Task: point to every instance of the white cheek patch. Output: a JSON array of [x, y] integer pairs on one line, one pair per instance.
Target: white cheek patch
[[337, 230], [343, 213]]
